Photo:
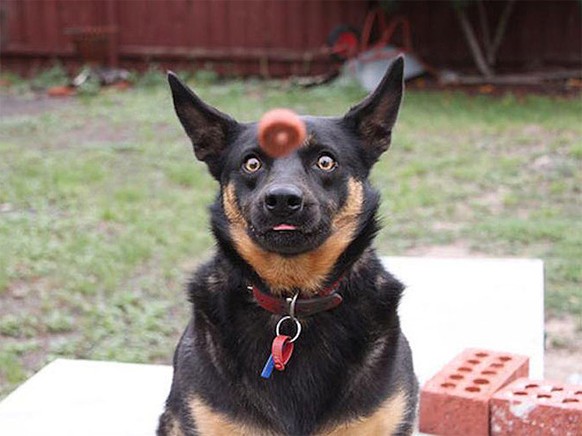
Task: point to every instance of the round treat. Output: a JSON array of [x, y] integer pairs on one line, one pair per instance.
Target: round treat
[[280, 132]]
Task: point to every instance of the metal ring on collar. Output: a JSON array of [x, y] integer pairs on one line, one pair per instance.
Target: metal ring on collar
[[297, 325]]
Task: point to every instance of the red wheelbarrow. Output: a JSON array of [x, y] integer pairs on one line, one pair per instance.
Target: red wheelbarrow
[[366, 61]]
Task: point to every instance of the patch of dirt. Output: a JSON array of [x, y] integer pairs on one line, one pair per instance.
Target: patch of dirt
[[458, 248], [563, 357], [31, 343], [98, 131], [13, 105], [494, 200]]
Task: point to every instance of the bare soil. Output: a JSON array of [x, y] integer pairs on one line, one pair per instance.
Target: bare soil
[[563, 357], [16, 105]]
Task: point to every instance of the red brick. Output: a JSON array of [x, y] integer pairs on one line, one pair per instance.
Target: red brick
[[530, 407], [456, 400]]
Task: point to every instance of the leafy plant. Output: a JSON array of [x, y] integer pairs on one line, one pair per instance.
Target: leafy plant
[[54, 76]]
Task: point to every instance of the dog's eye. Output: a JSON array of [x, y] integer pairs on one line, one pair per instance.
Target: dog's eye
[[252, 164], [326, 163]]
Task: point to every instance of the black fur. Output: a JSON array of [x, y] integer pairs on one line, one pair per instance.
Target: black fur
[[331, 378]]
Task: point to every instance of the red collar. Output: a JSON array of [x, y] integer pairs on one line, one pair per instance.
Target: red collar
[[326, 299]]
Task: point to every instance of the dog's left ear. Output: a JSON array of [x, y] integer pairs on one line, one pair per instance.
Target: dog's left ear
[[207, 127], [375, 116]]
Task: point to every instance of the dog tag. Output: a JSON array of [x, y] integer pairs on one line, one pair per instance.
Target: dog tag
[[268, 368], [281, 351]]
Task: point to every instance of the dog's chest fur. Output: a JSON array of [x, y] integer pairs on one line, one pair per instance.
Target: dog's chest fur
[[341, 367]]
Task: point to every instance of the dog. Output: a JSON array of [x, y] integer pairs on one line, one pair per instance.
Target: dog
[[294, 272]]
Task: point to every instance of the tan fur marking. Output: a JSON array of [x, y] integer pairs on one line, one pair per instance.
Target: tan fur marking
[[384, 421], [210, 423], [307, 271]]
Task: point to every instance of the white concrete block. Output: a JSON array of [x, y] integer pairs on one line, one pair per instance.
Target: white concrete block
[[87, 398], [453, 304]]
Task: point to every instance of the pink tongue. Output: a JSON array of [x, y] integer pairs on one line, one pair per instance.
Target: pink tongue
[[284, 227]]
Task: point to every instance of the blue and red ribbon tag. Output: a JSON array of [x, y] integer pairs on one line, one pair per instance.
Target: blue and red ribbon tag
[[281, 351], [268, 368]]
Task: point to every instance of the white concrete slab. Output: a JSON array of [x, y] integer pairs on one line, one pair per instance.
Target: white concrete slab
[[453, 304], [449, 305], [88, 398]]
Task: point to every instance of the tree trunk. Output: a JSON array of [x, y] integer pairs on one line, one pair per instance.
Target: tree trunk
[[476, 51], [499, 33], [485, 28]]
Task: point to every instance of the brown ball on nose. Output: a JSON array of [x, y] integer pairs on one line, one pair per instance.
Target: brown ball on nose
[[280, 132]]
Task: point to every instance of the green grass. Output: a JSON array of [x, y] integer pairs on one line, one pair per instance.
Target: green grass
[[103, 208]]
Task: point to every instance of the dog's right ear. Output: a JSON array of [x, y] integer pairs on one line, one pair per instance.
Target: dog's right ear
[[207, 127]]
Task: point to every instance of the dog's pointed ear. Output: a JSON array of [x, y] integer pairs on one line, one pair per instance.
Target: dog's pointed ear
[[374, 118], [207, 127]]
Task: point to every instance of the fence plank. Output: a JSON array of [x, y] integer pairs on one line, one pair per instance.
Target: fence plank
[[539, 32]]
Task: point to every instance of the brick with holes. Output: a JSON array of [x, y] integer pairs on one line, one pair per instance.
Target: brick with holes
[[530, 407], [456, 400]]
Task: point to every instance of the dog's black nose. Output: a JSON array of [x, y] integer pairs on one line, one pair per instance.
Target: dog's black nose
[[283, 200]]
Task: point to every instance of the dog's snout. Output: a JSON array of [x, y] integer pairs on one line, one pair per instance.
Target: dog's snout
[[283, 200]]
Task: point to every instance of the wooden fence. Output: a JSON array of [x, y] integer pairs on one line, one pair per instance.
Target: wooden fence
[[273, 37]]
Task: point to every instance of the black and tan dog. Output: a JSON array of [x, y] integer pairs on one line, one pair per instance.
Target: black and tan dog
[[294, 237]]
